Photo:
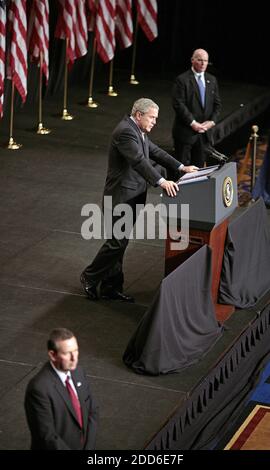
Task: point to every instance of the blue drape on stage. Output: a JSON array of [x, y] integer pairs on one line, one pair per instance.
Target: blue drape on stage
[[262, 184]]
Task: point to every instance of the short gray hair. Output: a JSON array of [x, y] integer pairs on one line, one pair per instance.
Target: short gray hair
[[143, 105]]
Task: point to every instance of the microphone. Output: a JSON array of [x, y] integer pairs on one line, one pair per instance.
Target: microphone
[[221, 155], [217, 155]]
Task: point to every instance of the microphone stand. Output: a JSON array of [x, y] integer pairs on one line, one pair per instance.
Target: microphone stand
[[218, 156]]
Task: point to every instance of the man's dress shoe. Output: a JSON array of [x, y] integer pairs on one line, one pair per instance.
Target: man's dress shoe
[[113, 294], [89, 288]]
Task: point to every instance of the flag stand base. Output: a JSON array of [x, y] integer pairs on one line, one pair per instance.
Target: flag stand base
[[12, 145], [42, 130], [66, 116], [111, 91], [91, 103], [133, 80]]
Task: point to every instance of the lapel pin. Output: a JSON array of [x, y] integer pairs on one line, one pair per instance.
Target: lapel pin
[[79, 384]]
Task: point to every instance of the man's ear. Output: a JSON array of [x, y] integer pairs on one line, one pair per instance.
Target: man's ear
[[51, 355]]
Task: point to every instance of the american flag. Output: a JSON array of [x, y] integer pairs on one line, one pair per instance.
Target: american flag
[[123, 23], [3, 18], [105, 29], [39, 33], [71, 24], [91, 14], [17, 26], [147, 17]]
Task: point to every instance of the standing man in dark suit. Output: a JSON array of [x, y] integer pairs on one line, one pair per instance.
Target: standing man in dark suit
[[129, 171], [60, 410], [197, 106]]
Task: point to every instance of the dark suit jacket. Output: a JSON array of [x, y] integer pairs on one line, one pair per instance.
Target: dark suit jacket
[[50, 415], [129, 167], [187, 105]]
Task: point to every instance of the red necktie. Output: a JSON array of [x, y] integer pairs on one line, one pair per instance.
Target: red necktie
[[75, 402]]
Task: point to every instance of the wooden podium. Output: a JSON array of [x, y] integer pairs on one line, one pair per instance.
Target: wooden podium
[[211, 196]]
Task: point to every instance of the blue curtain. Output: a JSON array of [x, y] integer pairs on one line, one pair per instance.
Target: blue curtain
[[262, 184]]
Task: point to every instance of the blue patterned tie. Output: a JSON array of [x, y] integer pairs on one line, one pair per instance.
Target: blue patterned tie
[[202, 89]]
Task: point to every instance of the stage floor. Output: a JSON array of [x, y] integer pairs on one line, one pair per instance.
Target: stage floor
[[44, 186]]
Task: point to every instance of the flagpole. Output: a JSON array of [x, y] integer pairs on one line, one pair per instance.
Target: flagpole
[[111, 91], [66, 116], [133, 80], [12, 145], [91, 103], [41, 129]]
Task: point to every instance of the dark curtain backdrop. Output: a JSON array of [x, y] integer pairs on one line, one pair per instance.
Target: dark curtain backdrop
[[235, 38], [235, 35]]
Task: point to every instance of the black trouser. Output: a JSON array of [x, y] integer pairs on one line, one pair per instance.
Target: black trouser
[[191, 154], [107, 266]]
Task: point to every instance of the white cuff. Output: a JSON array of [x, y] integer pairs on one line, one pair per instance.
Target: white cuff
[[160, 181]]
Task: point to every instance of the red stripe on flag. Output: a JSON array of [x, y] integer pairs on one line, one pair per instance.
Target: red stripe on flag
[[105, 29], [123, 23], [17, 25], [39, 34], [71, 25], [3, 19], [147, 17]]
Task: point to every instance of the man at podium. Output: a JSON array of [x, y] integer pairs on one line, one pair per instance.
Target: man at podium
[[129, 170]]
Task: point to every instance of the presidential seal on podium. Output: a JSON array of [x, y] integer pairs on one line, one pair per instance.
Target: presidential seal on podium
[[227, 191]]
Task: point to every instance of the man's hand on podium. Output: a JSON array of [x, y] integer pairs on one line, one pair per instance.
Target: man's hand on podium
[[170, 187], [189, 169]]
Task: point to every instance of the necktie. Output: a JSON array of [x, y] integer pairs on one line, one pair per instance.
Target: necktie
[[75, 402], [201, 89]]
